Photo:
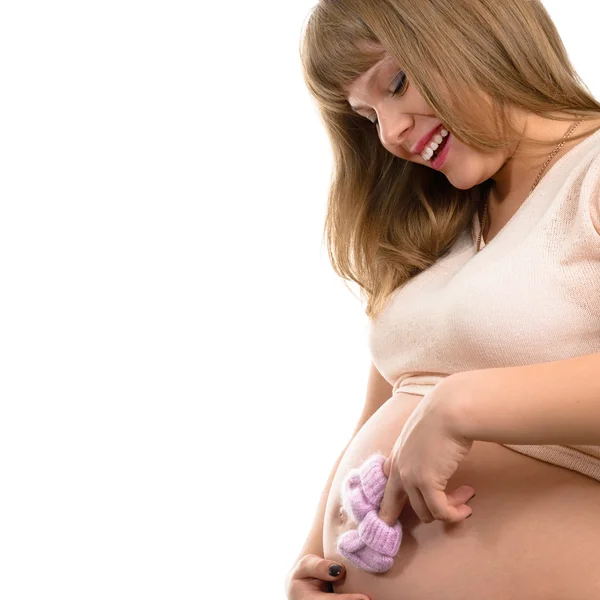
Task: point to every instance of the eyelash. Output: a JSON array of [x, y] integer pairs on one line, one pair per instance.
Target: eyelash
[[400, 85]]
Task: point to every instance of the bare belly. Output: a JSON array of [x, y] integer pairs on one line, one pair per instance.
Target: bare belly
[[534, 533]]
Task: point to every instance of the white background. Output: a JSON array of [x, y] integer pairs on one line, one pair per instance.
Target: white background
[[179, 365]]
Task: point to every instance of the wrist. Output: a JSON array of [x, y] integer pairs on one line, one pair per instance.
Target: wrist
[[459, 393]]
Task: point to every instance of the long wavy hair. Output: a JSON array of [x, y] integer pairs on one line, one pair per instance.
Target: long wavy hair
[[388, 219]]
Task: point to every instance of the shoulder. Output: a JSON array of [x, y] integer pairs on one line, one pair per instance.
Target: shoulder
[[585, 183], [590, 186]]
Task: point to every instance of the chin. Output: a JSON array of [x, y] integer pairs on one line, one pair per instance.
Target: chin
[[466, 177], [463, 181], [460, 185]]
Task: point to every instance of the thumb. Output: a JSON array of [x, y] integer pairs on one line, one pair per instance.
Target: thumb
[[342, 596], [333, 572]]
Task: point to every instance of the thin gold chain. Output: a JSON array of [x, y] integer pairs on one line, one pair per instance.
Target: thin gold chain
[[550, 157]]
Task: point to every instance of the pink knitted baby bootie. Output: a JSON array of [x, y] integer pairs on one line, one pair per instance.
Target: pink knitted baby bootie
[[380, 536], [354, 500], [373, 479], [373, 546], [356, 551]]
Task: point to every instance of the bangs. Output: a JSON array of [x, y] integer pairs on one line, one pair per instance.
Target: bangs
[[337, 47]]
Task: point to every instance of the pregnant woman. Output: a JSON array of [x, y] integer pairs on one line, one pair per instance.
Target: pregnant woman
[[465, 203]]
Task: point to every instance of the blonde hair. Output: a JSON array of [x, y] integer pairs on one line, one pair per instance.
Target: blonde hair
[[387, 218]]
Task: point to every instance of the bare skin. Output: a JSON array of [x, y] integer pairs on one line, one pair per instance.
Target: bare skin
[[534, 532], [402, 120], [535, 529]]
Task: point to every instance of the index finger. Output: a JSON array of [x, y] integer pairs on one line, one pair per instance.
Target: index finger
[[394, 499]]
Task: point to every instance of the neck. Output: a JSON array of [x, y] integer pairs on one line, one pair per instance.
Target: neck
[[518, 173]]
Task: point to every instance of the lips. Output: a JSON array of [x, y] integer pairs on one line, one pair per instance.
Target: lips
[[425, 140]]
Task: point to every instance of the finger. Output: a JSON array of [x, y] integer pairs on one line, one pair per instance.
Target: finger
[[319, 594], [394, 499], [461, 495], [326, 596], [312, 565], [313, 588], [418, 504], [441, 509], [386, 467], [458, 496]]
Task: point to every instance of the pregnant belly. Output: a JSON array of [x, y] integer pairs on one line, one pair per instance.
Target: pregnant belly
[[534, 533]]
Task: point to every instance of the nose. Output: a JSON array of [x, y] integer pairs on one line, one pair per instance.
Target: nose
[[392, 128]]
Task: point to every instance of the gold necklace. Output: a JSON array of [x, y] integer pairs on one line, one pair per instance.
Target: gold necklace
[[485, 209]]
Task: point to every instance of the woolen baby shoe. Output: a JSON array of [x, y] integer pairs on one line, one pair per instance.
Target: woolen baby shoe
[[373, 546], [373, 479], [354, 500], [357, 552], [380, 536]]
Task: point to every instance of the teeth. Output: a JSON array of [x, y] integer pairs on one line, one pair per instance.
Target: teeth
[[434, 144]]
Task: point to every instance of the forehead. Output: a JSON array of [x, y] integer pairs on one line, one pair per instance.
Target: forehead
[[366, 80]]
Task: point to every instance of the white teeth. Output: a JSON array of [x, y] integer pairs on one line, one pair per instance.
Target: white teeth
[[434, 145]]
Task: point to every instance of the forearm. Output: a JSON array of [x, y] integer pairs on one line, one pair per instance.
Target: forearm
[[547, 403]]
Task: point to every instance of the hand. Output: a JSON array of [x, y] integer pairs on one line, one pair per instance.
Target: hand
[[309, 579], [425, 456]]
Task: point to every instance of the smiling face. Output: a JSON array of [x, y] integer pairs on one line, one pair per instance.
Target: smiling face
[[403, 118]]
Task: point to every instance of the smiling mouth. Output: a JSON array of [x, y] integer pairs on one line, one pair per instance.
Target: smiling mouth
[[441, 146], [425, 154]]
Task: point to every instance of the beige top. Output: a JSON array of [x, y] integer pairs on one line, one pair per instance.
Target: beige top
[[531, 295]]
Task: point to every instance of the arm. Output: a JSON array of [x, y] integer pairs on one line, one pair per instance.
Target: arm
[[547, 403], [378, 391]]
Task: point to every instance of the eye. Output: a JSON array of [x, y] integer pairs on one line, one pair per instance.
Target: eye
[[401, 78]]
